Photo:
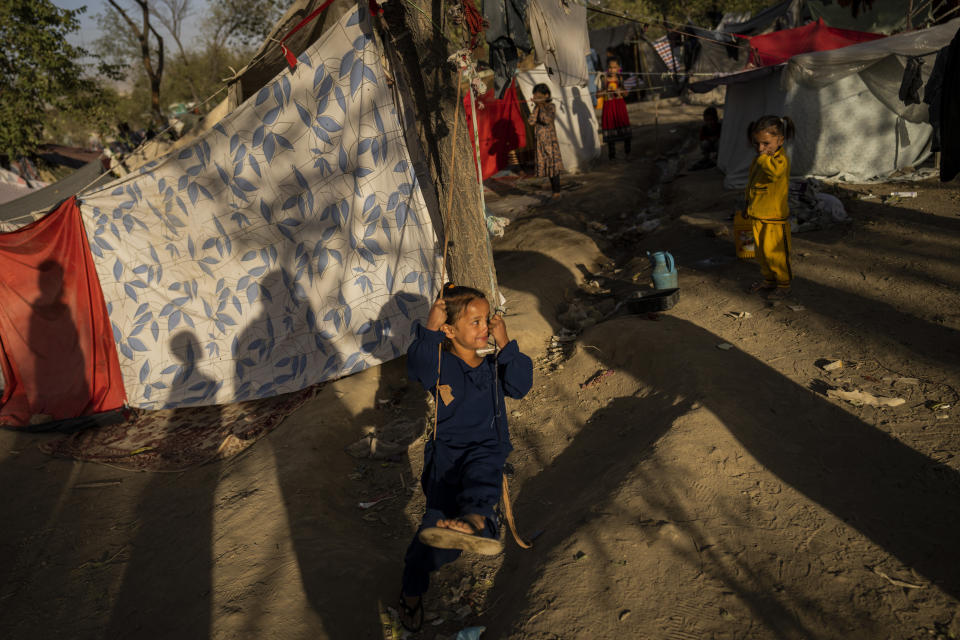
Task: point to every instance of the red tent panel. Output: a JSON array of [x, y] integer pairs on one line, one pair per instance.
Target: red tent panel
[[780, 46], [501, 128], [57, 351]]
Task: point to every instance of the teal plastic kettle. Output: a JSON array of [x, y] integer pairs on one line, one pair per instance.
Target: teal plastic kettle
[[664, 270]]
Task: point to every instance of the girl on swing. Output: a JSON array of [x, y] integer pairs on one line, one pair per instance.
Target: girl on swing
[[463, 463]]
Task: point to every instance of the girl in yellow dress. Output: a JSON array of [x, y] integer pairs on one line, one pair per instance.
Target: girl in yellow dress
[[767, 191]]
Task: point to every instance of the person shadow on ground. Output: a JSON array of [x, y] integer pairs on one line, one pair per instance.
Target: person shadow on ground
[[167, 590], [350, 558]]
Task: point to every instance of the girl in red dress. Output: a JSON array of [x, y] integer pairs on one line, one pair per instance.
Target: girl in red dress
[[614, 121]]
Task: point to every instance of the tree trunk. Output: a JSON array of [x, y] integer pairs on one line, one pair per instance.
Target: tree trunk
[[154, 73], [423, 52]]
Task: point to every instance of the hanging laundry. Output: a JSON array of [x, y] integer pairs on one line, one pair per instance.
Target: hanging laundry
[[474, 21], [507, 32], [662, 47], [507, 19], [560, 36], [500, 129], [912, 81], [503, 62], [287, 246], [56, 349]]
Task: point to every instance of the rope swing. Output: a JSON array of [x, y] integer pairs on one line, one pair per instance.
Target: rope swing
[[507, 506]]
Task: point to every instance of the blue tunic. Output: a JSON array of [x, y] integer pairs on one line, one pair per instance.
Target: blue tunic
[[463, 467]]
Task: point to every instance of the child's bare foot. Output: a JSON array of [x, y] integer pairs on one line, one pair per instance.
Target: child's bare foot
[[471, 523]]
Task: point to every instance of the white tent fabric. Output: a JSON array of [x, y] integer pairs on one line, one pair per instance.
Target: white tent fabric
[[576, 123], [820, 68], [843, 131], [851, 123], [287, 246], [561, 39]]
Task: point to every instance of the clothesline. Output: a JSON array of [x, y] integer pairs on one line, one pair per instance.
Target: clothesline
[[675, 28], [263, 54]]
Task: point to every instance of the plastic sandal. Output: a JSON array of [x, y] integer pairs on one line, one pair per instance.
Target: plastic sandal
[[443, 538]]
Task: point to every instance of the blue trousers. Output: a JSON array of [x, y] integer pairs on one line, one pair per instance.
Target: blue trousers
[[456, 480]]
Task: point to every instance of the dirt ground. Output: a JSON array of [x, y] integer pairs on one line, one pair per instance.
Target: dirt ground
[[707, 488]]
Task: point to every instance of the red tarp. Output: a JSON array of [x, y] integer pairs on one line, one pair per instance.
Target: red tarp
[[780, 46], [501, 129], [57, 351]]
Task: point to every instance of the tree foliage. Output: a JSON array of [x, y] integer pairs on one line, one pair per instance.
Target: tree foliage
[[40, 72], [702, 13], [242, 22]]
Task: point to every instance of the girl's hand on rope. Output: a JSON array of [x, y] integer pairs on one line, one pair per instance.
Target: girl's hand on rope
[[438, 315], [499, 330]]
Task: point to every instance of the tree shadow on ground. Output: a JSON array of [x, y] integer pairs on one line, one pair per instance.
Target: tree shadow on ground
[[872, 317], [904, 502]]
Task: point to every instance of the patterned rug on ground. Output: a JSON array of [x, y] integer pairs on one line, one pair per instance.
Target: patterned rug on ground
[[179, 439]]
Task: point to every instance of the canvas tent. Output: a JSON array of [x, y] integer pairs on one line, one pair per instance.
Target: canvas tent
[[780, 46], [719, 51], [850, 120], [35, 204], [288, 245], [576, 122]]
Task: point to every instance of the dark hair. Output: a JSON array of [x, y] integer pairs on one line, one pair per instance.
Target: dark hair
[[711, 111], [543, 88], [779, 125], [457, 299], [614, 59]]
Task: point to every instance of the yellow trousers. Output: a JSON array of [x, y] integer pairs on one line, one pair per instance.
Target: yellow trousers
[[773, 251]]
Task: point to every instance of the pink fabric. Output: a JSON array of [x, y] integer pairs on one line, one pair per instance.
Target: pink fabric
[[57, 351], [780, 46], [501, 128]]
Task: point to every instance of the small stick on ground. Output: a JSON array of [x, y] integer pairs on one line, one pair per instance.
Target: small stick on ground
[[895, 582]]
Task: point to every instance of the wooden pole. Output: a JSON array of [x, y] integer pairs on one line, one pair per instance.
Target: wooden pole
[[656, 125]]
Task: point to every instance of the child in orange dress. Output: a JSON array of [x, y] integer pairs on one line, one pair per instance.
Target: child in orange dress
[[614, 119], [768, 190]]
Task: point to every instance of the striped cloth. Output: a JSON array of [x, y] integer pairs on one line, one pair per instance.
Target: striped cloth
[[662, 47]]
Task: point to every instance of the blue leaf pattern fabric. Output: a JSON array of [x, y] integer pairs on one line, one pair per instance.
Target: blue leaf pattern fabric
[[289, 245]]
